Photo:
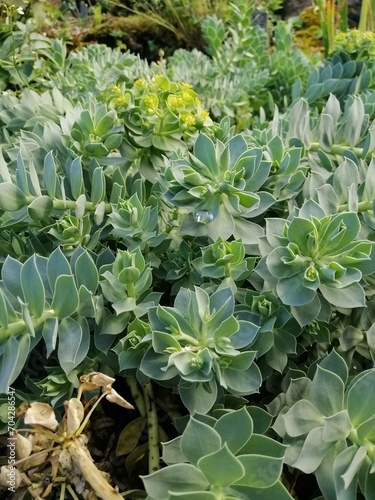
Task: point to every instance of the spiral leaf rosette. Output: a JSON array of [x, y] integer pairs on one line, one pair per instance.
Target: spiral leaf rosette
[[219, 185], [315, 260], [328, 424], [199, 345]]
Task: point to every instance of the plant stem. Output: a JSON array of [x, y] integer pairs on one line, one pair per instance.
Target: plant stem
[[37, 454], [338, 149], [90, 472], [14, 53], [330, 17], [363, 206], [72, 492], [362, 26], [87, 418], [137, 395], [323, 23], [153, 429], [19, 327], [71, 204], [62, 491], [342, 11]]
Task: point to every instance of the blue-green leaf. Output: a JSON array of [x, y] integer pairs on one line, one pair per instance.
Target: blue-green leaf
[[260, 471], [312, 452], [76, 178], [235, 429], [86, 273], [33, 288], [204, 150], [3, 310], [50, 175], [50, 330], [98, 186], [348, 297], [57, 265], [40, 208], [302, 418], [73, 344], [11, 274], [65, 298], [13, 360], [361, 408], [327, 392], [345, 489], [198, 397], [221, 467], [198, 440], [175, 478], [11, 197]]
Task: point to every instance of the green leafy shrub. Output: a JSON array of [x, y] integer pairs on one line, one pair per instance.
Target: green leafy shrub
[[160, 116], [25, 54], [244, 75], [216, 272], [329, 428], [359, 44], [219, 457]]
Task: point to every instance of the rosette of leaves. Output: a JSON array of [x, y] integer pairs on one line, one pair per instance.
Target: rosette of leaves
[[132, 347], [199, 345], [356, 334], [314, 260], [133, 222], [288, 173], [95, 133], [126, 283], [136, 221], [278, 330], [177, 267], [329, 428], [58, 386], [51, 298], [225, 260], [160, 117], [219, 458], [219, 185]]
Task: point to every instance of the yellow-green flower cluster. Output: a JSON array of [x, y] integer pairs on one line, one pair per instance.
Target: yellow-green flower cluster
[[149, 103], [159, 97], [119, 97], [361, 44]]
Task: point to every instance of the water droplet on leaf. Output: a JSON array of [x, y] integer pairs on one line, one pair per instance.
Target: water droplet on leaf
[[203, 216]]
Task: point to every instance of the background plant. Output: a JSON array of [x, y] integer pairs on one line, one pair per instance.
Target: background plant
[[334, 16]]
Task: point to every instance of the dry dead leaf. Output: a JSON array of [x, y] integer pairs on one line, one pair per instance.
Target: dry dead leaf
[[95, 380], [74, 415], [24, 446], [114, 397], [6, 473], [41, 414], [84, 462]]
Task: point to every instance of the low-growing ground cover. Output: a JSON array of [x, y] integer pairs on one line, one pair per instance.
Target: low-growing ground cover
[[187, 257]]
